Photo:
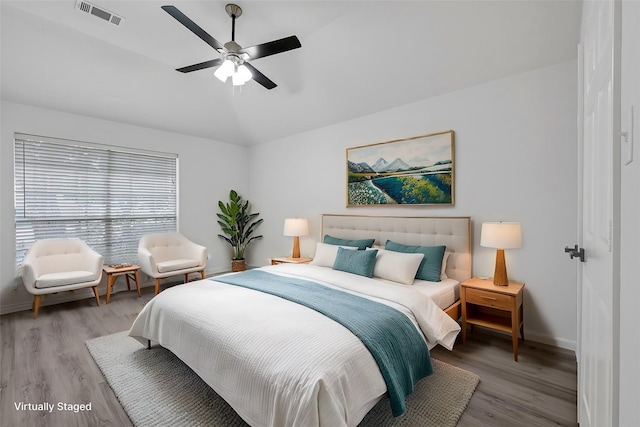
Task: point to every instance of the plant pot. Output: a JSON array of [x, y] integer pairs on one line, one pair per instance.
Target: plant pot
[[238, 265]]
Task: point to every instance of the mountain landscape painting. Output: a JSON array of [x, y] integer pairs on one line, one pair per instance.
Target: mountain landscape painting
[[412, 171]]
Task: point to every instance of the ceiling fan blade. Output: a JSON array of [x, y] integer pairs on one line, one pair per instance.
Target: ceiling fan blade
[[273, 47], [193, 27], [201, 66], [259, 77]]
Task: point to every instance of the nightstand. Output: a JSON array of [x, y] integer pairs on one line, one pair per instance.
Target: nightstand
[[290, 260], [494, 307]]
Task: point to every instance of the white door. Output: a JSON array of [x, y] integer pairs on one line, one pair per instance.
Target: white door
[[598, 328]]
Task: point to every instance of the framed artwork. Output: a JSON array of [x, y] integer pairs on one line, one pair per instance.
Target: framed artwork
[[412, 171]]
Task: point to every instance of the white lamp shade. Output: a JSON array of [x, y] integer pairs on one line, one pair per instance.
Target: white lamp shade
[[296, 227], [244, 73], [501, 235], [225, 70]]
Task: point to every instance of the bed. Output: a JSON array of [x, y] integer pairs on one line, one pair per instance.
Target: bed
[[279, 363]]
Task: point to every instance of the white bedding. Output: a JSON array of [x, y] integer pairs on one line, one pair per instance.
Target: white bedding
[[443, 293], [278, 363]]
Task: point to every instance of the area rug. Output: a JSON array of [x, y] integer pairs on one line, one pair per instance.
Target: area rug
[[157, 389]]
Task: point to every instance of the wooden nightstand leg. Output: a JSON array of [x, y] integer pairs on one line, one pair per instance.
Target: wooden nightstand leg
[[464, 322]]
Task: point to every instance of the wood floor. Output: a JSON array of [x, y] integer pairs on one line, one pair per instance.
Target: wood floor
[[45, 360]]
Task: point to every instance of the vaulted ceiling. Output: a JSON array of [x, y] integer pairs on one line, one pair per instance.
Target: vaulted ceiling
[[357, 58]]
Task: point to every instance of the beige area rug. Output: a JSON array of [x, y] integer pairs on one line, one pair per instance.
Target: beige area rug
[[156, 389]]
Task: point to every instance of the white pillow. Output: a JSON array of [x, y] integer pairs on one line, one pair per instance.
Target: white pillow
[[326, 254], [397, 266], [443, 274]]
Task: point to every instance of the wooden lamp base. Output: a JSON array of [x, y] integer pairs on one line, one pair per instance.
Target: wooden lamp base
[[500, 275], [296, 247]]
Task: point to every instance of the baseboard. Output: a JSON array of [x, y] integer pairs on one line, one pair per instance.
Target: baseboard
[[80, 294], [554, 341], [536, 337]]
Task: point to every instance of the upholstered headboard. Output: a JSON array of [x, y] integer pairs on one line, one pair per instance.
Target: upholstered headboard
[[453, 232]]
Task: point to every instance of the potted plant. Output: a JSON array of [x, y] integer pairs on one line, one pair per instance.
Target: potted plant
[[238, 225]]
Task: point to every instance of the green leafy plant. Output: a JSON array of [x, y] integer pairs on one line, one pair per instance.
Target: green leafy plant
[[237, 223]]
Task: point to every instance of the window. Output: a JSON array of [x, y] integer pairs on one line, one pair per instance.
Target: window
[[107, 196]]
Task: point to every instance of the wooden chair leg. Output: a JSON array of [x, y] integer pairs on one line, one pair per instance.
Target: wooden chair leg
[[36, 305], [157, 286], [135, 275], [186, 278], [95, 292], [202, 274]]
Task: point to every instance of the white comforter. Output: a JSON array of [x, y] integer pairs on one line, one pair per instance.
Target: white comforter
[[278, 363]]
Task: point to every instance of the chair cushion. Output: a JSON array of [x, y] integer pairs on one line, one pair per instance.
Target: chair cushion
[[176, 264], [65, 278]]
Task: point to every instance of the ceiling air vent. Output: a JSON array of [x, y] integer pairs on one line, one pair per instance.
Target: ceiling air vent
[[99, 12]]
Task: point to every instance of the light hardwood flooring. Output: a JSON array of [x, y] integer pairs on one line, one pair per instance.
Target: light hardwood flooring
[[45, 360]]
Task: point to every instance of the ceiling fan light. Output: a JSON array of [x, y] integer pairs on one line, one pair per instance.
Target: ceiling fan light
[[245, 73], [225, 70], [241, 75], [237, 79]]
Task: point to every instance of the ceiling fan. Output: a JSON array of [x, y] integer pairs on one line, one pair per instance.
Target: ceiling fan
[[235, 59]]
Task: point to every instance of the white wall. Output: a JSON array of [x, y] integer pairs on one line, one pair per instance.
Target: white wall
[[515, 160], [630, 226], [207, 171]]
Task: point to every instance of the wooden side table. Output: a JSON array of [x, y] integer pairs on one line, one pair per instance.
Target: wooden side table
[[495, 307], [129, 272], [290, 260]]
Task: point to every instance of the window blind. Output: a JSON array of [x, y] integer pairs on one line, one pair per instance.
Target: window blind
[[106, 196]]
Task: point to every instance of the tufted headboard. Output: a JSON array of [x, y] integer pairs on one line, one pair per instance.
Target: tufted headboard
[[453, 232]]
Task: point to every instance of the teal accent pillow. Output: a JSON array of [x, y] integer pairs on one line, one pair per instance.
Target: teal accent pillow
[[356, 262], [431, 266], [361, 244]]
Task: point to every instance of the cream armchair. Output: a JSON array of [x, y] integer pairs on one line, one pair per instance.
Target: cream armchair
[[163, 255], [58, 265]]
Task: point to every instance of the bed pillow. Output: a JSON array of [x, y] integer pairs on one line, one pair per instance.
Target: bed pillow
[[431, 266], [356, 262], [325, 254], [360, 243], [443, 272], [397, 266]]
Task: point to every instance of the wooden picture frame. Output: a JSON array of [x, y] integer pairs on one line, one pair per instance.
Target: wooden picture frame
[[411, 171]]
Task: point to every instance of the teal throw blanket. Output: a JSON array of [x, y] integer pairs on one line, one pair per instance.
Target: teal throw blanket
[[390, 337]]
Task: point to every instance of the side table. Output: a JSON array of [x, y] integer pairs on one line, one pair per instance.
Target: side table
[[290, 260], [495, 307], [128, 271]]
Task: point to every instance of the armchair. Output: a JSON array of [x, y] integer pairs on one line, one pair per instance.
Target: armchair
[[58, 265], [163, 255]]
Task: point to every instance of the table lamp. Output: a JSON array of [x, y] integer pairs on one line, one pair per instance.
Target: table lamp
[[501, 236], [296, 227]]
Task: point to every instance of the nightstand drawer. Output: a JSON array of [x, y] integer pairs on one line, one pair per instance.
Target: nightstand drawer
[[488, 299]]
